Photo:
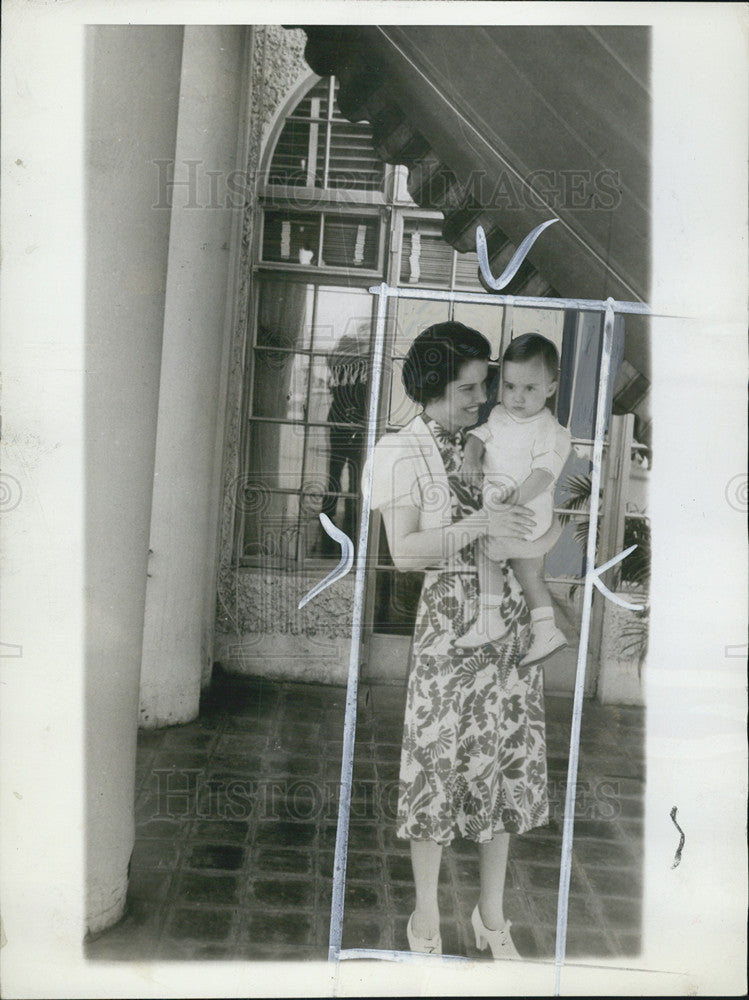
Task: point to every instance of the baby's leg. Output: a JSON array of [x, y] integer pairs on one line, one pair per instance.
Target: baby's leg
[[546, 638], [530, 576], [489, 624], [491, 579]]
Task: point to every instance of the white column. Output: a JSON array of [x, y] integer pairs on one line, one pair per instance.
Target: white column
[[206, 211], [133, 83]]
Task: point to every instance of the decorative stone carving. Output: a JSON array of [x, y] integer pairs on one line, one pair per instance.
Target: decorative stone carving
[[256, 602]]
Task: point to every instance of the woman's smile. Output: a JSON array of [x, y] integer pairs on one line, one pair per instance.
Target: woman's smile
[[459, 405]]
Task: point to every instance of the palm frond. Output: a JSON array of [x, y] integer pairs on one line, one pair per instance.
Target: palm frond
[[636, 567], [634, 637], [581, 534], [578, 492]]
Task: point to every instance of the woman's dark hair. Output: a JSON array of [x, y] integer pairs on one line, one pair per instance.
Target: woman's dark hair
[[532, 345], [436, 357]]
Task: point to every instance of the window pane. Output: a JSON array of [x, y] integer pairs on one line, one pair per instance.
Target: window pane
[[296, 156], [285, 314], [485, 319], [402, 409], [350, 241], [291, 158], [299, 156], [319, 398], [336, 113], [426, 259], [627, 398], [333, 467], [291, 237], [467, 272], [276, 452], [280, 385], [352, 162], [548, 322], [343, 320], [344, 512], [340, 388], [415, 315]]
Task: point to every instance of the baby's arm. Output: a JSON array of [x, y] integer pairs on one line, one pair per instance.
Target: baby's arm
[[473, 454], [530, 488]]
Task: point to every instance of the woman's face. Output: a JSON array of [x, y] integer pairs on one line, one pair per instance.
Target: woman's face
[[459, 405]]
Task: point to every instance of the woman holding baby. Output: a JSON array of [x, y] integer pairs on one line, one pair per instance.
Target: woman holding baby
[[473, 758]]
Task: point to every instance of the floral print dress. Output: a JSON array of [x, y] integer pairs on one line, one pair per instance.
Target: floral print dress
[[473, 759]]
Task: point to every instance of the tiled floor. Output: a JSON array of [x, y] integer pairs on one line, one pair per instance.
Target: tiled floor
[[236, 823]]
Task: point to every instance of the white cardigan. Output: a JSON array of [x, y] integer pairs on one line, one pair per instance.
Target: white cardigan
[[408, 470]]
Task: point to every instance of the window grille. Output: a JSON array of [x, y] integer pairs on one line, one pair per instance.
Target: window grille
[[309, 381]]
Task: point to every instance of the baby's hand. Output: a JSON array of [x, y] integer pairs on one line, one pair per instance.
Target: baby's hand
[[471, 471]]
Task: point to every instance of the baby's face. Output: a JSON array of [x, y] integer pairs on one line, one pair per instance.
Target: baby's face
[[526, 386]]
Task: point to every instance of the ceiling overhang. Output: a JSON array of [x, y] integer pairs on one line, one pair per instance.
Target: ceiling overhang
[[511, 126]]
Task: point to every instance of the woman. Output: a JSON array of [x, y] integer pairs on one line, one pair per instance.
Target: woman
[[473, 759]]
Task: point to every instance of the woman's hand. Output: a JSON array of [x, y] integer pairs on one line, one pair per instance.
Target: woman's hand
[[507, 547], [507, 521]]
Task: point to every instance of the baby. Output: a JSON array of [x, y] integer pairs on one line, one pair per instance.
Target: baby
[[519, 452]]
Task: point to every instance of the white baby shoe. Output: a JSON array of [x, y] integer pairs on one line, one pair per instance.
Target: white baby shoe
[[545, 640]]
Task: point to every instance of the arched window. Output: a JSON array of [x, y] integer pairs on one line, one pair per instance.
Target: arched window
[[334, 220], [318, 148]]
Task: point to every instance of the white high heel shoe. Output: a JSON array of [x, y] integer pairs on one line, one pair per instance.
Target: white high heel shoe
[[499, 941], [424, 946]]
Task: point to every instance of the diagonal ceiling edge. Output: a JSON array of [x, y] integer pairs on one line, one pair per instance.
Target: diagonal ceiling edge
[[510, 126]]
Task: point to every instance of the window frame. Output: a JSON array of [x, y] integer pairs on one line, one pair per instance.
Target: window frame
[[320, 207]]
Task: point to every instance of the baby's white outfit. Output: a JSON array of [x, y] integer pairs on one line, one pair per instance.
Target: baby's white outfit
[[516, 446]]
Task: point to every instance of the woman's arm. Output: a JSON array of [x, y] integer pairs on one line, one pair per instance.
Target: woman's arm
[[412, 549]]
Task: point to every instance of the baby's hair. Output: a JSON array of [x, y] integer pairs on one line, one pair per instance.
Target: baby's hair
[[436, 356], [532, 345]]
